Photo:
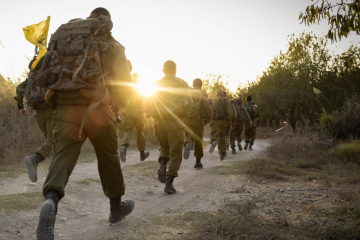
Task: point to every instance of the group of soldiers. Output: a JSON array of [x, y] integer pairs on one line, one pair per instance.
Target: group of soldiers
[[78, 100]]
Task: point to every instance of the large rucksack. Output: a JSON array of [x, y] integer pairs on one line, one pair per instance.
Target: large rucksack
[[251, 109], [169, 101], [76, 55], [33, 93], [240, 111], [219, 108]]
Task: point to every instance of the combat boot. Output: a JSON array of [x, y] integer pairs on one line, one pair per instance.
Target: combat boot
[[239, 146], [144, 155], [246, 146], [222, 155], [119, 210], [123, 153], [213, 146], [250, 147], [169, 185], [233, 150], [31, 163], [46, 225], [162, 170], [198, 163], [187, 149]]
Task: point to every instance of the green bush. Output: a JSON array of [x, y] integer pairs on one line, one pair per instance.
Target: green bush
[[349, 152]]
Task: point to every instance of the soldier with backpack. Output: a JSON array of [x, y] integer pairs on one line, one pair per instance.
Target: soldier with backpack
[[250, 126], [34, 96], [237, 127], [133, 117], [169, 105], [195, 122], [221, 112], [86, 70]]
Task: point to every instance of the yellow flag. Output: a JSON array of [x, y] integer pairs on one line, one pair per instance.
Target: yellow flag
[[316, 91], [37, 35]]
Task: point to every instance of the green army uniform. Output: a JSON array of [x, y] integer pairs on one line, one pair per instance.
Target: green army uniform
[[44, 115], [195, 122], [230, 123], [238, 126], [133, 117], [169, 105], [219, 124], [70, 132], [250, 131]]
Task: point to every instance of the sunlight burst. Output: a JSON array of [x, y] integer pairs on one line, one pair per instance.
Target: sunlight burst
[[146, 88]]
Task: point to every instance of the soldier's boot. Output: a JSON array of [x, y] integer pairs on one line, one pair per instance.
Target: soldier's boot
[[246, 145], [31, 163], [144, 155], [169, 188], [198, 163], [222, 155], [250, 147], [213, 146], [187, 149], [45, 229], [119, 210], [233, 150], [123, 153], [239, 146], [162, 170]]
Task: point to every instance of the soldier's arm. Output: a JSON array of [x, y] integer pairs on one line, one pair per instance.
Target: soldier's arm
[[120, 72], [187, 93], [20, 94], [207, 107], [235, 113]]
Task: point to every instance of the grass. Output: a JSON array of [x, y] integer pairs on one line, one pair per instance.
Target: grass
[[87, 181], [348, 152], [147, 168], [20, 202]]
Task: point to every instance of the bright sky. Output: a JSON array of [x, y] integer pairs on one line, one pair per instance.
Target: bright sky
[[233, 37]]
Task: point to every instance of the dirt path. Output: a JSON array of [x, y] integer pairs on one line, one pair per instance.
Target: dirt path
[[83, 213]]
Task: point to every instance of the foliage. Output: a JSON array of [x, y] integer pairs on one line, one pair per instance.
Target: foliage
[[213, 83], [348, 152], [343, 17], [344, 122]]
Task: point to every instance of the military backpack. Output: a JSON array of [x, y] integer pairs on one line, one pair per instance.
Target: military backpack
[[219, 108], [240, 111], [251, 109], [196, 111], [76, 55]]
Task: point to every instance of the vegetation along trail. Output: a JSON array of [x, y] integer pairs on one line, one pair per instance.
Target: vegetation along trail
[[198, 190]]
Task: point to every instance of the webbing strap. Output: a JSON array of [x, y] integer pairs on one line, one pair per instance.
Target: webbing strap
[[75, 75], [87, 114]]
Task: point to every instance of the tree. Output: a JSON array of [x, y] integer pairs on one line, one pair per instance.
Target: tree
[[213, 83], [343, 17]]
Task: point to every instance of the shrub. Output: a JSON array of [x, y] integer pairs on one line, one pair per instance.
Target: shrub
[[349, 152]]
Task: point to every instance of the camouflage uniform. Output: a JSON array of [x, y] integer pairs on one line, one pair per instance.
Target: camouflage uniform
[[238, 126], [250, 131], [169, 107], [100, 128], [230, 124], [194, 125]]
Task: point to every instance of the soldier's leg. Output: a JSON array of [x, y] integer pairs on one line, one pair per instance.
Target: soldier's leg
[[239, 129], [222, 138], [175, 136], [44, 118], [189, 129], [214, 134], [101, 131], [129, 131], [161, 136], [67, 146], [252, 137], [247, 134], [233, 135], [140, 137], [199, 152]]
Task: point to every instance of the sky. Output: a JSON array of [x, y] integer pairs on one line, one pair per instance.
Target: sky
[[236, 38]]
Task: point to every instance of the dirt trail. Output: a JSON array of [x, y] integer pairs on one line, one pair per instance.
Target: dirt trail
[[83, 213]]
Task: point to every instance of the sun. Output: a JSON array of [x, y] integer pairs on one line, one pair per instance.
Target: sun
[[146, 88]]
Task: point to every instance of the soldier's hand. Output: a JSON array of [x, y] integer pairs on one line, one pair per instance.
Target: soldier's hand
[[250, 123], [23, 112]]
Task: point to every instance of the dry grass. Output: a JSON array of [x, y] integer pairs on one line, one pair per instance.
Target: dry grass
[[20, 202], [87, 181]]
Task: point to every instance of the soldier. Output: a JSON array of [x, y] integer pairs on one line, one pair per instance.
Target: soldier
[[238, 125], [169, 105], [44, 114], [230, 121], [83, 110], [195, 122], [250, 126], [133, 117], [221, 112]]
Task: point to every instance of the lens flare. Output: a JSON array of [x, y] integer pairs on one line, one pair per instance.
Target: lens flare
[[146, 89]]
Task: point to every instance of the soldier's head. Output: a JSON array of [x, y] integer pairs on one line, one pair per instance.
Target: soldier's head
[[249, 98], [220, 93], [130, 65], [169, 67], [225, 93], [197, 83], [100, 11], [136, 77]]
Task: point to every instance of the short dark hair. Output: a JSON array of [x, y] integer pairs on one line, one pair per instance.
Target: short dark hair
[[100, 11], [169, 67], [220, 93], [197, 83], [249, 98]]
